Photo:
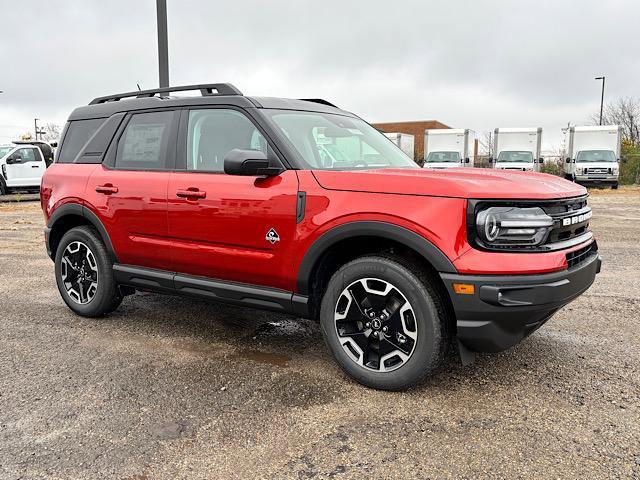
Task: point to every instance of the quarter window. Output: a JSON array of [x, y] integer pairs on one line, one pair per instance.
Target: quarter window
[[79, 132], [143, 144], [213, 133]]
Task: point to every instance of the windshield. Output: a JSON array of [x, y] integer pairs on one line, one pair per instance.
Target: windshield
[[443, 157], [327, 141], [596, 156], [520, 157], [5, 150]]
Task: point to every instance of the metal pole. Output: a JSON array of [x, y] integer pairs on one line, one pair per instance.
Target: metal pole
[[35, 128], [163, 43], [601, 97]]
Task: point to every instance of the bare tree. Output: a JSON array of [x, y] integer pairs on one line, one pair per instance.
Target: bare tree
[[52, 132], [626, 113], [486, 144]]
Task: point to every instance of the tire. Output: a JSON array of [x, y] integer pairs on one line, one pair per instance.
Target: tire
[[3, 187], [614, 186], [426, 338], [98, 294]]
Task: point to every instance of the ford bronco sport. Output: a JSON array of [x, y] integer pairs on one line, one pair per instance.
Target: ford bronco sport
[[235, 199]]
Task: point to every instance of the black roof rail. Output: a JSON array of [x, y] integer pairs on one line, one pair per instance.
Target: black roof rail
[[318, 100], [205, 89]]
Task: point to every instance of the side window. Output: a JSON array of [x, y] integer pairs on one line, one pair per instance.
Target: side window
[[143, 143], [213, 133], [77, 135], [27, 155]]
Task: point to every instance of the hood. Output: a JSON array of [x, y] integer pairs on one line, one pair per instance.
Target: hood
[[452, 182]]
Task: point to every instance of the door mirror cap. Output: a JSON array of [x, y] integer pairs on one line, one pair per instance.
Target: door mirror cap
[[541, 160], [568, 160], [251, 163], [490, 159], [11, 160], [466, 160]]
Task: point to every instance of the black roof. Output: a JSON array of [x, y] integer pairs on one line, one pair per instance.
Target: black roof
[[211, 94]]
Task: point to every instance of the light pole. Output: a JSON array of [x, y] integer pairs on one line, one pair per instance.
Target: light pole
[[163, 43], [601, 97]]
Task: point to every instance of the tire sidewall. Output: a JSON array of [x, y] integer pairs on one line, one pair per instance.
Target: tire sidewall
[[427, 350], [104, 291]]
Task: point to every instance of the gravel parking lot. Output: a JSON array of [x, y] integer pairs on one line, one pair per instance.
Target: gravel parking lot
[[173, 388]]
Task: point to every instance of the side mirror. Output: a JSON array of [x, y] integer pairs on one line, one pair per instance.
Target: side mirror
[[541, 160], [13, 159], [466, 160], [251, 163], [568, 160], [490, 159]]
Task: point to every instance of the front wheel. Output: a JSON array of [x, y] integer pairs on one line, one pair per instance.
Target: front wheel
[[384, 322], [84, 273], [614, 186]]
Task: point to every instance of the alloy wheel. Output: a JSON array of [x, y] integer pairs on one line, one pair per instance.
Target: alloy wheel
[[79, 272], [375, 324]]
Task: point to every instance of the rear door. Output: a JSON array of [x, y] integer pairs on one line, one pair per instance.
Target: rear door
[[26, 169], [128, 191], [229, 227]]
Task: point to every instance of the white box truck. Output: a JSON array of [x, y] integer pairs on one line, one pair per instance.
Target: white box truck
[[593, 155], [517, 148], [449, 148], [404, 141]]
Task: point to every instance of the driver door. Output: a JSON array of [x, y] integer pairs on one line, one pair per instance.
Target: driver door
[[24, 167]]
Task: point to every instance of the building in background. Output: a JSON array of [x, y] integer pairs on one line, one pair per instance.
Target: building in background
[[413, 128]]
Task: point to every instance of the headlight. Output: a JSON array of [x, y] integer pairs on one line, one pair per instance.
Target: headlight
[[513, 226], [615, 171]]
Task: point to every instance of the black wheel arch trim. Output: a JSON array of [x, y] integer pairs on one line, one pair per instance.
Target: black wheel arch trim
[[399, 234], [82, 211]]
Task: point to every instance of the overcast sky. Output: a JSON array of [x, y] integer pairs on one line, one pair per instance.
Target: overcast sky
[[475, 64]]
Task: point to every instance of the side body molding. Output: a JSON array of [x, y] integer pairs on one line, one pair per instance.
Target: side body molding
[[80, 210], [399, 234]]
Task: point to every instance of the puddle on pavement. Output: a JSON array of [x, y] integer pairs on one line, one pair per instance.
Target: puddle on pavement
[[274, 359]]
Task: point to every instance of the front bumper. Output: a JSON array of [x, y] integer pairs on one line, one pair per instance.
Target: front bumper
[[597, 179], [505, 309]]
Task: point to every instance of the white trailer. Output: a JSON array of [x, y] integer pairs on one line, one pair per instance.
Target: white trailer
[[449, 148], [593, 155], [517, 148], [404, 141]]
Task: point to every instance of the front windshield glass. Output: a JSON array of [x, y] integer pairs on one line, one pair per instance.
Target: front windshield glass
[[328, 141], [4, 150], [596, 156], [443, 157], [519, 157]]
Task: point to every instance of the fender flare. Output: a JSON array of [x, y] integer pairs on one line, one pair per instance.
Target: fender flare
[[399, 234], [82, 211]]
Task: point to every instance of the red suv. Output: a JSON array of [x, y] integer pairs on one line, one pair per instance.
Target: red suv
[[299, 207]]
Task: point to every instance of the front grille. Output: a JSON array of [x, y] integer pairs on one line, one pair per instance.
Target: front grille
[[567, 211], [598, 171], [576, 257]]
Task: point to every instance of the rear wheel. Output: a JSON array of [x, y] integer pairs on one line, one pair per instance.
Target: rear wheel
[[384, 322], [84, 273]]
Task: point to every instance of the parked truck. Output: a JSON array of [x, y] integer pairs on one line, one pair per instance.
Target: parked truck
[[404, 141], [517, 148], [449, 147], [593, 155]]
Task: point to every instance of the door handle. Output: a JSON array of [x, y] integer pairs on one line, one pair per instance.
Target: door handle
[[191, 192], [107, 189], [35, 166]]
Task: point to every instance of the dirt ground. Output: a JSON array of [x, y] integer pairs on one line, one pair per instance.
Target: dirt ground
[[171, 388]]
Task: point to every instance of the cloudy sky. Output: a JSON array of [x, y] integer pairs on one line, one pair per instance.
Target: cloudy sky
[[469, 64]]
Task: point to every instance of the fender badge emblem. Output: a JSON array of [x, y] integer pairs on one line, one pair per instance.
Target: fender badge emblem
[[272, 236]]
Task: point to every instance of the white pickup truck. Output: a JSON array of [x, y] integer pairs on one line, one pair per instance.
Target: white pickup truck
[[21, 167], [517, 149], [593, 155], [449, 148]]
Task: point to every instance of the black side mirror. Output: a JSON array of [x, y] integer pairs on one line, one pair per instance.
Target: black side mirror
[[568, 160], [490, 159], [466, 160], [13, 159], [252, 163], [541, 160]]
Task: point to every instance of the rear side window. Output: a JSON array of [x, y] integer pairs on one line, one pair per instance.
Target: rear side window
[[144, 141], [78, 134]]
